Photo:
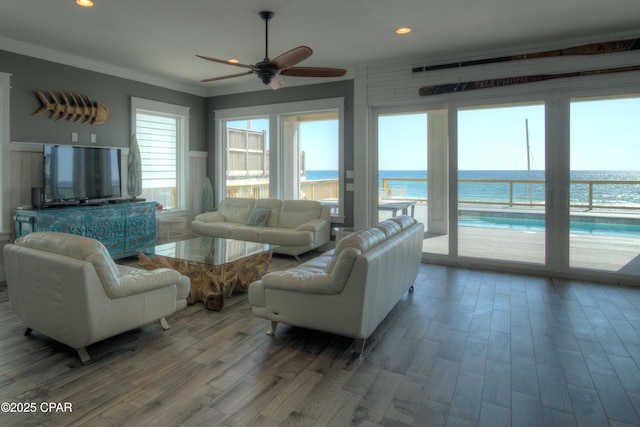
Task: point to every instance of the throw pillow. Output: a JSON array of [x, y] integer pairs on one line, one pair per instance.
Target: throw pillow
[[259, 217]]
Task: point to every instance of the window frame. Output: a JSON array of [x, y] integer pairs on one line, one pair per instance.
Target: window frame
[[277, 157], [181, 114]]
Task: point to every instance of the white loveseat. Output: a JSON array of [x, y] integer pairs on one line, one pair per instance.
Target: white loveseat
[[68, 288], [349, 290], [296, 226]]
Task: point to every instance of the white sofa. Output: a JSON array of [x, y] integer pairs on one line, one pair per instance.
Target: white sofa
[[296, 226], [68, 288], [349, 290]]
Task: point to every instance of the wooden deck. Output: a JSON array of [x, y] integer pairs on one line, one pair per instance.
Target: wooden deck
[[615, 254]]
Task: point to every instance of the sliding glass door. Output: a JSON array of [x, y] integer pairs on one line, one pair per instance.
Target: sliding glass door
[[501, 183], [548, 185], [605, 185], [412, 172]]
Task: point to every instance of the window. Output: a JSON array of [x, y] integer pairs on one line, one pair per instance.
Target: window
[[313, 142], [247, 158], [288, 151], [162, 134], [604, 191]]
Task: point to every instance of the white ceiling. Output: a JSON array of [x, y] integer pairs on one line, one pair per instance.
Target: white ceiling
[[157, 40]]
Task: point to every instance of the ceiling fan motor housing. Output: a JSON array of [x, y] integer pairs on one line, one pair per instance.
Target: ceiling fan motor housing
[[265, 71]]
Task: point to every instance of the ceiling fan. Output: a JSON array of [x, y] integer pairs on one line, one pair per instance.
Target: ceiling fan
[[269, 71]]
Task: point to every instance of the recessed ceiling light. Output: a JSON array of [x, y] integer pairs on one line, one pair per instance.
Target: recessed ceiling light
[[84, 3], [234, 61], [403, 30]]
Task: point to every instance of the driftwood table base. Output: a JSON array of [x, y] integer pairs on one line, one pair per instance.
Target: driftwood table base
[[212, 283]]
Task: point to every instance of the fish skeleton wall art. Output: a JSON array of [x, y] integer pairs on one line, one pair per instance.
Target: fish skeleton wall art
[[73, 107]]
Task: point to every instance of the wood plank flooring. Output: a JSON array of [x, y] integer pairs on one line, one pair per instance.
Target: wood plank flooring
[[466, 348]]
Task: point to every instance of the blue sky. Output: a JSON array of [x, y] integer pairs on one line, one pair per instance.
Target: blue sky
[[496, 138], [319, 141], [402, 142], [605, 135]]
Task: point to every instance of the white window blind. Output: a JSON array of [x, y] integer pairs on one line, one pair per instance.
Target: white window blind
[[157, 139]]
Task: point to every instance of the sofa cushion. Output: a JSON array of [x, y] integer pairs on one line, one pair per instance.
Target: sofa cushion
[[237, 210], [342, 267], [388, 227], [404, 221], [259, 217], [294, 213], [363, 240], [360, 240], [210, 217], [217, 229], [300, 279], [248, 233], [274, 205], [321, 261]]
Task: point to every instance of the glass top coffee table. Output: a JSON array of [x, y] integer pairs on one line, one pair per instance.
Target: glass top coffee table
[[217, 267]]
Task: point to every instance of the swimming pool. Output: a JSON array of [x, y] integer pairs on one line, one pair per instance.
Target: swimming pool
[[581, 227]]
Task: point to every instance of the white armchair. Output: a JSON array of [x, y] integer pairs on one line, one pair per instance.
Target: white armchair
[[68, 288]]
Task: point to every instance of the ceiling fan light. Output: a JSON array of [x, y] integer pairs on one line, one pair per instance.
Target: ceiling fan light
[[84, 3], [403, 30], [234, 61], [276, 83]]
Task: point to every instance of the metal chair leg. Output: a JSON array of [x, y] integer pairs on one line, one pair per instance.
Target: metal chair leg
[[84, 355], [164, 323], [272, 328]]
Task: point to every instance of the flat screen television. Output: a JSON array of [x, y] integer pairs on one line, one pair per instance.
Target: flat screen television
[[80, 173]]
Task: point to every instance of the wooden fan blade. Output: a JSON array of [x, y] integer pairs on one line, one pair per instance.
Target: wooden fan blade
[[313, 72], [222, 61], [230, 76], [291, 57]]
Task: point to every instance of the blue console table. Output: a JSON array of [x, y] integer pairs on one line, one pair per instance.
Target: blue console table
[[126, 229]]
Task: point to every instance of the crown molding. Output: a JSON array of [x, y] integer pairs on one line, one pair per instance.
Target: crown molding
[[59, 57]]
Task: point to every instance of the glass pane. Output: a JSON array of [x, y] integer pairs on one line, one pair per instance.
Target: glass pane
[[247, 163], [402, 173], [157, 139], [311, 142], [211, 250], [605, 185], [319, 160], [501, 183]]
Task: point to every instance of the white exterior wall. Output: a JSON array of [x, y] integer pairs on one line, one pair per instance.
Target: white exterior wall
[[395, 85]]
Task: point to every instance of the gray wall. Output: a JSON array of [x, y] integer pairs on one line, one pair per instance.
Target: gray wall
[[342, 88], [30, 74]]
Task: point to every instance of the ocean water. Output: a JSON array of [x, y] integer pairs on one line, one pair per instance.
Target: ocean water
[[620, 195]]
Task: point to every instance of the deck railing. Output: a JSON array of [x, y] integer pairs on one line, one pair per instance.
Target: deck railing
[[319, 189], [524, 197], [516, 192]]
